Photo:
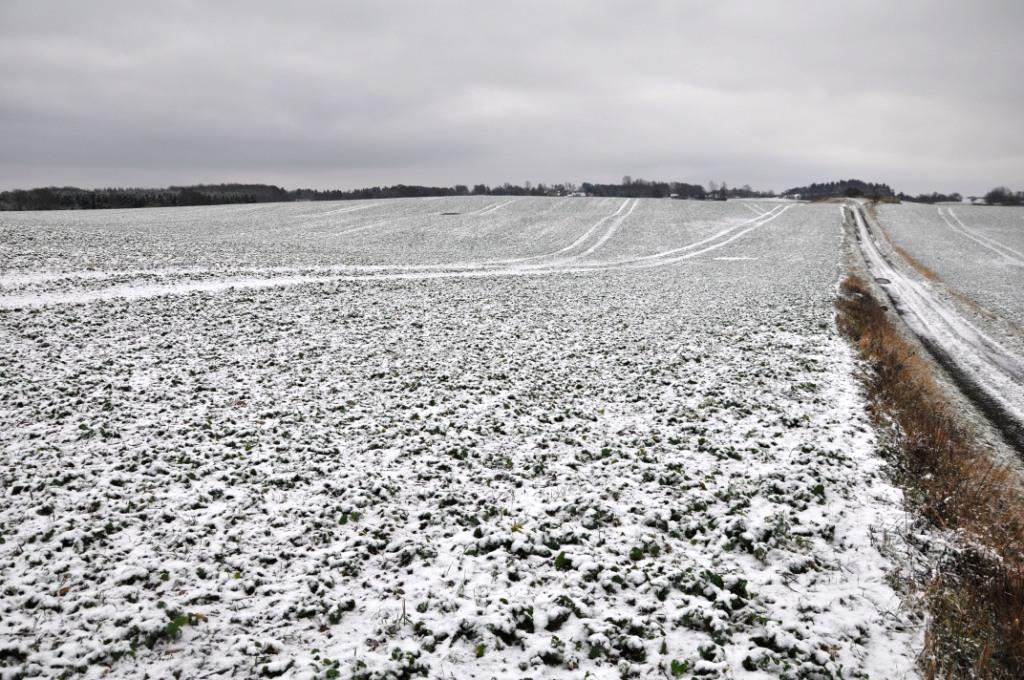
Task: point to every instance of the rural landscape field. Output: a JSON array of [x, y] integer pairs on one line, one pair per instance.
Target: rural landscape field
[[458, 437], [660, 339]]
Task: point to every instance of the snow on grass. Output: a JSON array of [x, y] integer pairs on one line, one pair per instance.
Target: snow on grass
[[633, 473]]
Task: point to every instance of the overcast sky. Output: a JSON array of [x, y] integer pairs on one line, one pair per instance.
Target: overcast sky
[[922, 94]]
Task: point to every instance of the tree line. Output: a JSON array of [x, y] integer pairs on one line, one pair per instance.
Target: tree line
[[73, 198], [934, 197], [855, 188]]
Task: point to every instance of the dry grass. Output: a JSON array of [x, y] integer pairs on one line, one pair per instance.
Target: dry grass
[[976, 599], [915, 263], [907, 257]]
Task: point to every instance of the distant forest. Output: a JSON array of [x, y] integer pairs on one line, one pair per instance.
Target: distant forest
[[855, 188], [73, 198], [1003, 196], [844, 188]]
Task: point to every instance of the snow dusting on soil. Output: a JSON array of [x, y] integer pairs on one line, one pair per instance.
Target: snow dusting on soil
[[612, 440]]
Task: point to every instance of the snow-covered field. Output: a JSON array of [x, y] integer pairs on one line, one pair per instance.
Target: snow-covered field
[[540, 438], [971, 309], [978, 250]]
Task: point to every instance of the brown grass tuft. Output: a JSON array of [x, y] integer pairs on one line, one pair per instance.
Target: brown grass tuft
[[976, 601]]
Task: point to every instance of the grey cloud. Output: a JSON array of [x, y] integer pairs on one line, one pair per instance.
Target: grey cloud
[[924, 95]]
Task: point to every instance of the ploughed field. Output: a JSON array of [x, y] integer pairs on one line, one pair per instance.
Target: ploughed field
[[470, 437]]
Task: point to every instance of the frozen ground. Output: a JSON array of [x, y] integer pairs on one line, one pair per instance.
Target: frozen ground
[[546, 438]]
